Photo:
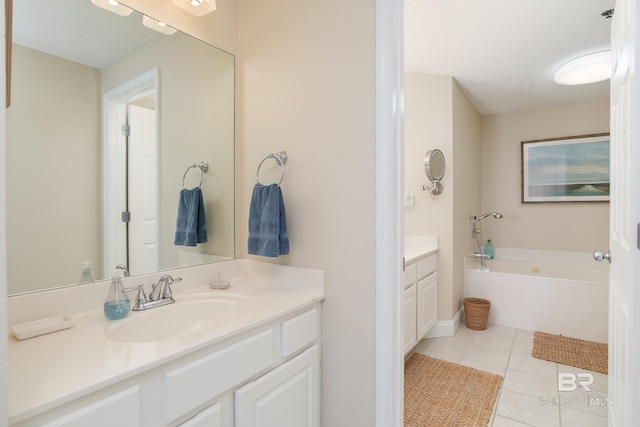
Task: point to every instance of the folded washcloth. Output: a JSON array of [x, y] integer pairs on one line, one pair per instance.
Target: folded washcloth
[[267, 222], [190, 226]]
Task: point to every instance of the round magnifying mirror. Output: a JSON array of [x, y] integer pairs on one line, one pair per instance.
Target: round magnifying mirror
[[434, 165]]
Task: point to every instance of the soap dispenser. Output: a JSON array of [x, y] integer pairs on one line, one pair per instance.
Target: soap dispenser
[[86, 276], [489, 250], [116, 305]]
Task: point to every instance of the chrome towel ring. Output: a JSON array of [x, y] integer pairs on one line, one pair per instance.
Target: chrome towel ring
[[203, 167], [280, 157]]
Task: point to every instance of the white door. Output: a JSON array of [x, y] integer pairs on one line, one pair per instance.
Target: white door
[[115, 164], [624, 302], [142, 190]]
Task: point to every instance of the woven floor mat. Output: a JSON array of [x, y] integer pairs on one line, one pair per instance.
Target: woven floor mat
[[439, 393], [571, 351]]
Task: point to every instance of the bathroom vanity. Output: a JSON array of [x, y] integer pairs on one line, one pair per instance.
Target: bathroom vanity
[[420, 280], [257, 363]]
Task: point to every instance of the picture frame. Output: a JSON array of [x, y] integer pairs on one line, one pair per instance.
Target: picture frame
[[568, 169]]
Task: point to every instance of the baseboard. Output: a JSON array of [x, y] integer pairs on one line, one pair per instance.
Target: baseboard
[[446, 328]]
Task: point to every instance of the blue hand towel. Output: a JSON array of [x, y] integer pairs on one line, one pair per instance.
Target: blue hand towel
[[190, 225], [267, 222]]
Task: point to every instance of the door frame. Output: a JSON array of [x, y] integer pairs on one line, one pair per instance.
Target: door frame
[[114, 165], [389, 213]]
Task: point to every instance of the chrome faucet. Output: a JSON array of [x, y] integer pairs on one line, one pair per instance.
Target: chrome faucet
[[162, 289], [160, 294]]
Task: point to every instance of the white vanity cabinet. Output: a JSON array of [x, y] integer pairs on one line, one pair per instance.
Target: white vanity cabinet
[[268, 375], [420, 280]]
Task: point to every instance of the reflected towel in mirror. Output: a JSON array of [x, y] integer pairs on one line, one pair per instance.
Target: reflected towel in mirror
[[267, 222], [190, 224]]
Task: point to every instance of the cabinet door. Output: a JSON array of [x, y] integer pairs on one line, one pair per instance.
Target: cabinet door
[[210, 417], [288, 396], [427, 304], [409, 319], [120, 409]]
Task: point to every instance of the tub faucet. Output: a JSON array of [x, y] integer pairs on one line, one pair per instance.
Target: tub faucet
[[480, 255], [475, 233]]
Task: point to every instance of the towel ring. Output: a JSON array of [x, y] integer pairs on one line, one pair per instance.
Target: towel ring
[[203, 167], [280, 157]]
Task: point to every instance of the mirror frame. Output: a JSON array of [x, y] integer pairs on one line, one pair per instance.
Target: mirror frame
[[436, 187]]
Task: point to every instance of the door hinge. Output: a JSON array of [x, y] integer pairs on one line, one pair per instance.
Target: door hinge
[[126, 130], [126, 216]]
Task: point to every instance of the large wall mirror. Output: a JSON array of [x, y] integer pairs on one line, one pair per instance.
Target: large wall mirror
[[73, 169]]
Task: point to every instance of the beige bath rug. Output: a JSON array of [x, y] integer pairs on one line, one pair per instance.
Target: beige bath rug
[[571, 351], [440, 394]]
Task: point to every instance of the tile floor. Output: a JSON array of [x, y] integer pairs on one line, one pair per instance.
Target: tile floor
[[529, 394]]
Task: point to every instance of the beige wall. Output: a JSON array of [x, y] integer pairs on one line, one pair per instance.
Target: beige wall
[[467, 188], [556, 226], [428, 107], [438, 115], [307, 85], [54, 171]]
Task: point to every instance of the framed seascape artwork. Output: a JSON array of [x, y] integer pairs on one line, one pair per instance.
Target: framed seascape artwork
[[570, 169]]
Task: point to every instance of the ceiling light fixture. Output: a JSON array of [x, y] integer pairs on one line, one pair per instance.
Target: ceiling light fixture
[[196, 7], [590, 68], [158, 26], [113, 6]]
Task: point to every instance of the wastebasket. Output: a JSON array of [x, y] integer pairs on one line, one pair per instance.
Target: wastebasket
[[476, 313]]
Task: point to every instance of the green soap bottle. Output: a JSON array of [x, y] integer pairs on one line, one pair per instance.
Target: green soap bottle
[[489, 250]]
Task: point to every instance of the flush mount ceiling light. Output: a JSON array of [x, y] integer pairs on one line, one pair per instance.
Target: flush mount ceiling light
[[196, 7], [158, 26], [113, 6], [590, 68]]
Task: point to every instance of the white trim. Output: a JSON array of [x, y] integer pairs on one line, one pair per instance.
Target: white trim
[[389, 214], [446, 328], [113, 151]]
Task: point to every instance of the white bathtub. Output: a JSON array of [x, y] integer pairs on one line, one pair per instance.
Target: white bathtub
[[550, 291]]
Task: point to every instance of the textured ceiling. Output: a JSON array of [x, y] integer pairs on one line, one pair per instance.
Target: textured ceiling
[[503, 53], [77, 30]]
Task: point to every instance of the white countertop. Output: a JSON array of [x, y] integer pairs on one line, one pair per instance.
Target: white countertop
[[417, 247], [414, 254], [52, 369]]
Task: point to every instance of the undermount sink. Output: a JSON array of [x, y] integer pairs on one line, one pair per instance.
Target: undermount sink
[[182, 318]]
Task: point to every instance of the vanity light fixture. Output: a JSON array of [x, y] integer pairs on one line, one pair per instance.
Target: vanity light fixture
[[196, 7], [590, 68], [158, 26], [113, 6]]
